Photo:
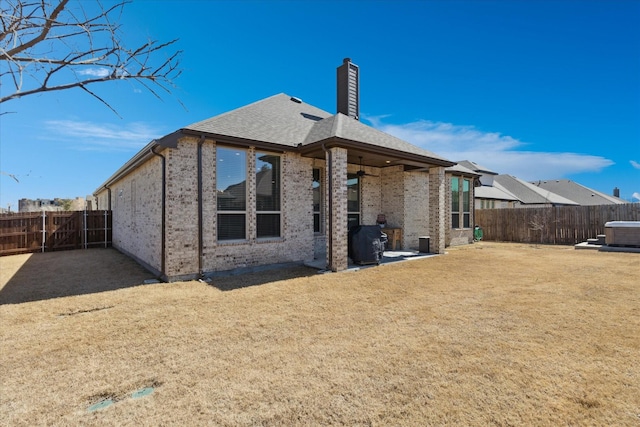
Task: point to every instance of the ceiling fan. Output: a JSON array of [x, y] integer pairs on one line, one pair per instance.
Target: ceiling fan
[[361, 172]]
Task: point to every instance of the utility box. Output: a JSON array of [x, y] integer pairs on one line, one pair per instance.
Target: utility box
[[477, 233], [423, 244]]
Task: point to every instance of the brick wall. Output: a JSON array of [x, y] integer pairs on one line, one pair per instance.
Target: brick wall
[[392, 195], [296, 242], [137, 213], [416, 215], [182, 209], [414, 201], [371, 196], [294, 245], [337, 242], [437, 209]]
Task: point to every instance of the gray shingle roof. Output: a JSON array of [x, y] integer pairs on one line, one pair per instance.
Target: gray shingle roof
[[277, 119], [578, 193], [461, 169], [284, 120], [476, 167], [495, 193], [528, 193], [348, 128]]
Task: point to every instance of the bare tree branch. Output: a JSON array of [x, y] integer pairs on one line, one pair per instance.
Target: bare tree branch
[[53, 45], [44, 30]]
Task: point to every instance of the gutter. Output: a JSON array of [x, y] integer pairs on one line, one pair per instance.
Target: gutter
[[108, 197]]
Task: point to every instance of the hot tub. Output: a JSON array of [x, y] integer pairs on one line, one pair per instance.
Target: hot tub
[[622, 233]]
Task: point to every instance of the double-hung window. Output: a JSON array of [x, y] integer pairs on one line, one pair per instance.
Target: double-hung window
[[268, 171], [231, 193]]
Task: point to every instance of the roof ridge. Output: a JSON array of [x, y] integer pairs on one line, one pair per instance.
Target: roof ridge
[[337, 124]]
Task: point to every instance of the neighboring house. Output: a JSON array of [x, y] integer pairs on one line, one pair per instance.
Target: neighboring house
[[276, 181], [463, 183], [506, 191], [580, 194], [38, 205], [529, 195], [488, 196]]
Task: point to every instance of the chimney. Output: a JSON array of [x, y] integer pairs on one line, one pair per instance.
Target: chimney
[[616, 192], [349, 89]]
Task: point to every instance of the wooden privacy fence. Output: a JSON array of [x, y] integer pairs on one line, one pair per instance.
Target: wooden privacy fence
[[53, 231], [566, 225]]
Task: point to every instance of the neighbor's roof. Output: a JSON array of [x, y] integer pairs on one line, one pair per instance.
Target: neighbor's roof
[[476, 167], [528, 193], [578, 193], [495, 193]]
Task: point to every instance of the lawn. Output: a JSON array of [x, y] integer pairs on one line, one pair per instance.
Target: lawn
[[489, 334]]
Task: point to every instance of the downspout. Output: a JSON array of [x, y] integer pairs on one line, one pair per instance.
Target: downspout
[[329, 207], [162, 221], [105, 217], [200, 204], [108, 198]]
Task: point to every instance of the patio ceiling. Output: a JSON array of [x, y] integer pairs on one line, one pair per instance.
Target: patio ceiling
[[374, 156]]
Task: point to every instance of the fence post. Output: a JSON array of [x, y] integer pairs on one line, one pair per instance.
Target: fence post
[[105, 229], [44, 228], [84, 225]]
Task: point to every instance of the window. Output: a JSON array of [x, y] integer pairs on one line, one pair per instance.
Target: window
[[231, 193], [460, 192], [353, 200], [455, 202], [267, 195], [317, 201], [487, 204], [466, 203]]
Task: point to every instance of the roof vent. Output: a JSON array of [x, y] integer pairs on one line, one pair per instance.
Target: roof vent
[[296, 100]]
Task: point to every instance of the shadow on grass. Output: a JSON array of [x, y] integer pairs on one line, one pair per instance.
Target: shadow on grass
[[267, 274], [42, 276]]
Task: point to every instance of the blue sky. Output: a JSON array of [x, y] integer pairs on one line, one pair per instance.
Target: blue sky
[[536, 89]]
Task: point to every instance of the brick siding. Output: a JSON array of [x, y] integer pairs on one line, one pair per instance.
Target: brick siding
[[414, 201]]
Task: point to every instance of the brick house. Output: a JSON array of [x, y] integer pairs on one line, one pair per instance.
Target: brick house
[[276, 181]]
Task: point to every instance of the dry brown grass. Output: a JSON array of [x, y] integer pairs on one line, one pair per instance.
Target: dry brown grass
[[490, 334]]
